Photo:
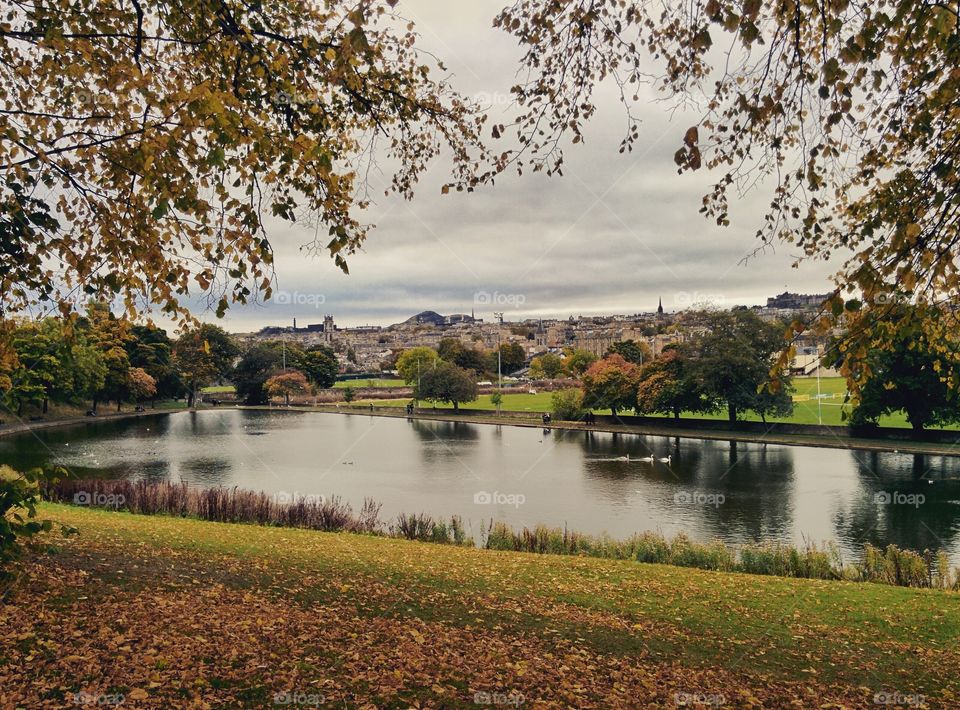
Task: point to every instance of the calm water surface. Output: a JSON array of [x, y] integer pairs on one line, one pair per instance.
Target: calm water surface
[[736, 492]]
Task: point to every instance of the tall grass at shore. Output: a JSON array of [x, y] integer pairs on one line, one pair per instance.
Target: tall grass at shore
[[892, 565]]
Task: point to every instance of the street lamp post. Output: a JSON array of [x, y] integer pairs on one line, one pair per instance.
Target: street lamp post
[[499, 317]]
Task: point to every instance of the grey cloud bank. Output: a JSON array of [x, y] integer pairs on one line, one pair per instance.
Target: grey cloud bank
[[615, 233]]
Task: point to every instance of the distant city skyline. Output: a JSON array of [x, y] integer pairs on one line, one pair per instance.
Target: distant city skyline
[[307, 315]]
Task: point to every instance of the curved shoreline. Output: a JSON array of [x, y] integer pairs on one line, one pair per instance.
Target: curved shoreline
[[25, 427], [812, 440]]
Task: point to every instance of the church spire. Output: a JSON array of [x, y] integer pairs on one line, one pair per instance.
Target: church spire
[[660, 308]]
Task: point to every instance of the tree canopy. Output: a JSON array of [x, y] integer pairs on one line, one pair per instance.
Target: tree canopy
[[145, 145], [412, 362], [730, 364], [611, 383], [447, 383], [910, 376]]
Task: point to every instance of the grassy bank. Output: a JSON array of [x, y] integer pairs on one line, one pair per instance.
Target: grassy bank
[[906, 568], [807, 408], [176, 612]]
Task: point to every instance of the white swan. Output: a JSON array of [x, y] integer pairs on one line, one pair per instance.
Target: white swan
[[623, 458], [646, 459], [668, 459]]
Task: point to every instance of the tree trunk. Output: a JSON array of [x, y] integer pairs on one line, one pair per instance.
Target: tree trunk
[[287, 398], [93, 407], [45, 403], [732, 412], [676, 413], [456, 406], [20, 408], [118, 405]]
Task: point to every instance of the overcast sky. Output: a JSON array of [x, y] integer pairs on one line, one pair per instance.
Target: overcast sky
[[614, 234]]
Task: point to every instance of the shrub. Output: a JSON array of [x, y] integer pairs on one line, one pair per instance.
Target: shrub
[[19, 495], [418, 526], [766, 558], [904, 568], [713, 556], [567, 405], [652, 547], [500, 537]]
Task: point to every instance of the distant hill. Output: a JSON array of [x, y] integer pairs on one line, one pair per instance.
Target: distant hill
[[434, 318], [426, 317]]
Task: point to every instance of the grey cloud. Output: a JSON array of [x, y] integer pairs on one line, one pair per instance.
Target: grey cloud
[[614, 234]]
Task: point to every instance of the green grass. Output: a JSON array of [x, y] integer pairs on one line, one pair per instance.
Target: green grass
[[539, 402], [837, 636], [217, 389], [340, 384], [806, 410]]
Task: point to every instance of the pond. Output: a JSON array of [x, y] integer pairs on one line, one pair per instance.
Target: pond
[[591, 482]]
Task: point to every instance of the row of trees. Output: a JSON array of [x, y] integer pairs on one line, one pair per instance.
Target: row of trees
[[97, 357], [725, 367]]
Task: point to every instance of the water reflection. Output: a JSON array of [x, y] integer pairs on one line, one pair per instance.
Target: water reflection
[[591, 481], [907, 500]]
